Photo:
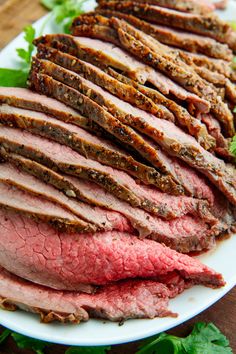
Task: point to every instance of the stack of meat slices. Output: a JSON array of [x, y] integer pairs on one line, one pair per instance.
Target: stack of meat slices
[[115, 162]]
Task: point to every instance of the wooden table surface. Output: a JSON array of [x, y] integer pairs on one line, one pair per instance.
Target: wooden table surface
[[14, 15]]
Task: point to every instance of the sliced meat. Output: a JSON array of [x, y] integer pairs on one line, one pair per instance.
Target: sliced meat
[[60, 260], [101, 218], [40, 209], [91, 72], [106, 55], [152, 153], [47, 84], [191, 42], [190, 80], [116, 302], [193, 6], [23, 98], [78, 139], [62, 158], [186, 120], [208, 25], [181, 114], [184, 234], [170, 137]]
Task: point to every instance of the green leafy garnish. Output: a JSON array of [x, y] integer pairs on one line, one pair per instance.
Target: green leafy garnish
[[26, 54], [64, 11], [13, 77], [88, 350], [29, 343], [4, 335], [18, 77], [205, 338], [233, 143]]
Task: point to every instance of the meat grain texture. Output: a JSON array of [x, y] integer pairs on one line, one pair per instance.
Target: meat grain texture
[[115, 163]]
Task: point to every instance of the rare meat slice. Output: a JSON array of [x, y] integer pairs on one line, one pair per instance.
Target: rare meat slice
[[78, 139], [191, 42], [40, 253], [101, 218], [104, 54], [47, 85], [208, 25], [96, 75], [102, 79], [138, 44], [184, 234], [175, 141], [182, 239], [40, 209], [116, 302], [198, 7]]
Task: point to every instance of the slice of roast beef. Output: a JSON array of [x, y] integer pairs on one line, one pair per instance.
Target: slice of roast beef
[[189, 153], [62, 158], [45, 84], [78, 139], [181, 114], [101, 218], [165, 133], [104, 54], [40, 209], [190, 42], [184, 234], [23, 98], [94, 259], [116, 302], [193, 6], [208, 25], [136, 41], [102, 79], [91, 72]]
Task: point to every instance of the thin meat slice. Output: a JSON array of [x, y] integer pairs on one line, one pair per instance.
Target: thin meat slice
[[104, 54], [60, 260], [101, 218], [116, 302], [78, 139], [190, 42], [45, 84], [24, 98], [198, 7], [170, 137], [137, 43], [91, 72], [208, 25], [40, 209], [62, 158], [69, 62]]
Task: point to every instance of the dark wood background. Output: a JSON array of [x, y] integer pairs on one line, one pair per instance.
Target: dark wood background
[[14, 15]]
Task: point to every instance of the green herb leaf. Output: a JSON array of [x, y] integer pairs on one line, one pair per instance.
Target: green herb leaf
[[64, 11], [4, 335], [233, 144], [26, 54], [205, 338], [29, 343], [88, 350], [13, 77]]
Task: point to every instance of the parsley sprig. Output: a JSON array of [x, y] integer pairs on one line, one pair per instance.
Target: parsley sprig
[[64, 11], [204, 339], [18, 77]]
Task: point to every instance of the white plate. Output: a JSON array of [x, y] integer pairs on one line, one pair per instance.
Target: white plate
[[188, 304]]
